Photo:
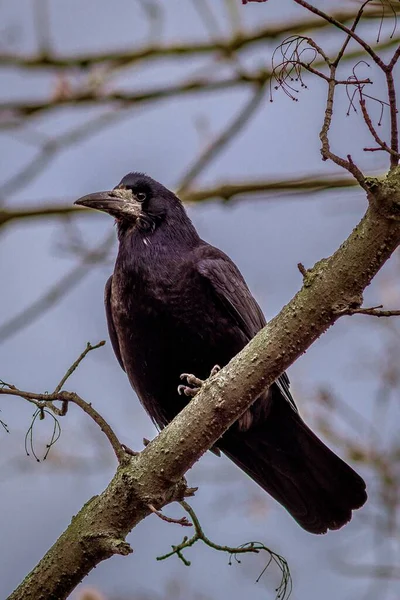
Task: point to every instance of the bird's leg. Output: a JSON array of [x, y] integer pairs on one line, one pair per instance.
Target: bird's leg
[[194, 383]]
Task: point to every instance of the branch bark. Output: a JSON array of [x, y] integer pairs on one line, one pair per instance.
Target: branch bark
[[155, 475]]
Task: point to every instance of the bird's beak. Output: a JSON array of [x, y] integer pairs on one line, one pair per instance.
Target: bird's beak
[[119, 203]]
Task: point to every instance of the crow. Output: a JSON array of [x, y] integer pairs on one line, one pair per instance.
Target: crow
[[176, 304]]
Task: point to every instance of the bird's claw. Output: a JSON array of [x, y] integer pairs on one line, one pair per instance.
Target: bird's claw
[[194, 383], [185, 390], [216, 369]]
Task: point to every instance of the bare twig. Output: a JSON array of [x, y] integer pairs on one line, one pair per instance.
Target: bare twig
[[349, 36], [51, 147], [46, 402], [324, 135], [76, 364], [182, 521], [129, 56], [394, 130], [350, 32], [201, 85], [57, 291], [374, 311], [387, 70], [383, 145], [302, 269], [223, 139], [284, 589]]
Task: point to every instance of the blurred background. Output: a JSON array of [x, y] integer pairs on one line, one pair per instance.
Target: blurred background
[[182, 90]]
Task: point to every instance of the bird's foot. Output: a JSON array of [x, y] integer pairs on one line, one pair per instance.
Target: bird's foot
[[194, 383]]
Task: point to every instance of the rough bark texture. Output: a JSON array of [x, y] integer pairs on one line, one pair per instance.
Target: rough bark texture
[[155, 475]]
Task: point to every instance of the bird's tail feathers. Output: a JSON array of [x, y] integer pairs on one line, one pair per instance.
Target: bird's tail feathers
[[296, 468]]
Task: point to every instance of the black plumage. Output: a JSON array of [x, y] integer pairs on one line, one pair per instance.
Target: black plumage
[[176, 304]]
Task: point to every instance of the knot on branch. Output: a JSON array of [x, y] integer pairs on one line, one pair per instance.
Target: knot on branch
[[348, 305], [107, 544], [384, 194], [178, 492], [309, 275]]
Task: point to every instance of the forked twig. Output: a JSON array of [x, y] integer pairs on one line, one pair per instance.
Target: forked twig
[[285, 587], [45, 403]]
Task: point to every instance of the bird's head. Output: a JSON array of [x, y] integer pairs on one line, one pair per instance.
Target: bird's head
[[139, 202]]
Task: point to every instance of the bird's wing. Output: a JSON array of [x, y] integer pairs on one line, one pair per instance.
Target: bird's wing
[[110, 323], [231, 290]]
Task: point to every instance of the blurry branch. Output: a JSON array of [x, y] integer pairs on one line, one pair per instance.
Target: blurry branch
[[42, 26], [223, 139], [223, 191], [51, 147], [229, 191], [14, 113], [45, 403], [44, 210], [192, 86], [371, 443], [3, 424], [371, 571], [11, 113], [284, 589], [26, 316], [123, 58]]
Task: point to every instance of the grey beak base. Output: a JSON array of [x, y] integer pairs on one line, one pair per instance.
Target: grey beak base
[[111, 203]]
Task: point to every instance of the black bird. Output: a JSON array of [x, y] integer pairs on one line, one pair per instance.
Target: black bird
[[177, 304]]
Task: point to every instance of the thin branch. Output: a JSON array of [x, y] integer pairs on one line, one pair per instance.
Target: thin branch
[[57, 291], [126, 57], [394, 59], [224, 138], [42, 211], [182, 521], [284, 589], [51, 147], [373, 311], [394, 130], [349, 36], [46, 401], [29, 108], [383, 145], [324, 135], [76, 364], [330, 19]]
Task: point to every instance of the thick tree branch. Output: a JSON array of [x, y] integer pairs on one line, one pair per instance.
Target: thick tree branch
[[155, 475]]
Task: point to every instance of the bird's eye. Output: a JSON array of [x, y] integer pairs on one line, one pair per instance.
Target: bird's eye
[[141, 196]]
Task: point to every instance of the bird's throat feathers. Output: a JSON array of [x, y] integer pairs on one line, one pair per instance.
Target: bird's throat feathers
[[155, 241]]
